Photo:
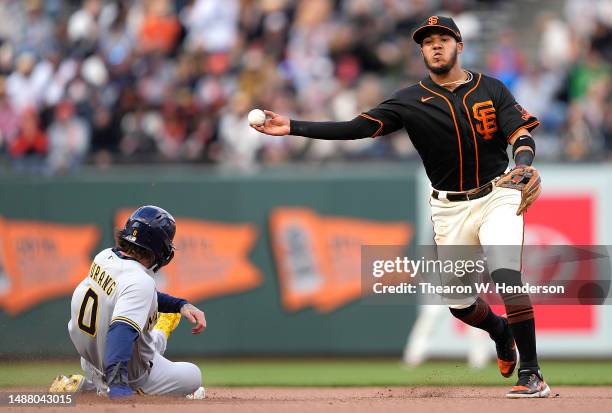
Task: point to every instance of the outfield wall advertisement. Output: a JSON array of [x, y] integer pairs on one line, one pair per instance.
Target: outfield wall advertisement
[[274, 258]]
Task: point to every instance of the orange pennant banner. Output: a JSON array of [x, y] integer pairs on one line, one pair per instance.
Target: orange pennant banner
[[211, 259], [319, 258], [40, 261]]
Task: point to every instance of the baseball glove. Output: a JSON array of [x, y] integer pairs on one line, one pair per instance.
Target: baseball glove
[[525, 179]]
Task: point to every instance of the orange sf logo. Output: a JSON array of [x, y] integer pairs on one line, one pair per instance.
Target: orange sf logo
[[484, 112], [433, 20]]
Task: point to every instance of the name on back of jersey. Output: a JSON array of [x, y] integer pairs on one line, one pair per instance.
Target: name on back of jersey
[[102, 278]]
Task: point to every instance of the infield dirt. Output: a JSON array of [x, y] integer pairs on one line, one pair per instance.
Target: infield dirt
[[353, 400]]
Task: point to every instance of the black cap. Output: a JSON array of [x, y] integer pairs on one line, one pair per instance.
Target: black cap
[[436, 22]]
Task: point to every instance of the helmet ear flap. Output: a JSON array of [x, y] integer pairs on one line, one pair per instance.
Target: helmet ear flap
[[169, 257], [163, 261]]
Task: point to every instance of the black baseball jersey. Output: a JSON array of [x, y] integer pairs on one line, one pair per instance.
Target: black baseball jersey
[[461, 136]]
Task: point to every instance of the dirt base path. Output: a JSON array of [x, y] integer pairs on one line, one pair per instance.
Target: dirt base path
[[353, 400]]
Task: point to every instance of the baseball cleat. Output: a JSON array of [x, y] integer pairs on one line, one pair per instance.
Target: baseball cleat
[[199, 394], [530, 384], [506, 352], [67, 384], [167, 322]]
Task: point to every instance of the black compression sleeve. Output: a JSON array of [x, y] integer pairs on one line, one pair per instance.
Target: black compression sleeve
[[524, 157], [357, 128]]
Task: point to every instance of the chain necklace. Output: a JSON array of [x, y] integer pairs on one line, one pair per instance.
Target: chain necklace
[[458, 83]]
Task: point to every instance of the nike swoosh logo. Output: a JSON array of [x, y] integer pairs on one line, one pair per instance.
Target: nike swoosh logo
[[425, 99]]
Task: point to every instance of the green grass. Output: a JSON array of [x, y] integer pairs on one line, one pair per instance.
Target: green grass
[[332, 372]]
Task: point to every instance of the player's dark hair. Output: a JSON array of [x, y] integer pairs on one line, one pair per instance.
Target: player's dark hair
[[135, 251]]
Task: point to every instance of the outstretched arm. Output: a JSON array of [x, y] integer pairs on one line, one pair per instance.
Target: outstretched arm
[[360, 127]]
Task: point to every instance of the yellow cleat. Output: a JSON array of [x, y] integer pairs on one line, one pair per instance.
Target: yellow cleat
[[67, 384], [167, 322]]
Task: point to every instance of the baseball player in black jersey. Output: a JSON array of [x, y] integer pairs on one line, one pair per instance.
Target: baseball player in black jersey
[[461, 124]]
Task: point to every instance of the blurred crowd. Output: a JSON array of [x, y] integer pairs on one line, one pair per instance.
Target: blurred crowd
[[140, 81]]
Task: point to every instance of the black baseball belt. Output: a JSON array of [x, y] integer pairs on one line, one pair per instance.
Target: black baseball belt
[[467, 195]]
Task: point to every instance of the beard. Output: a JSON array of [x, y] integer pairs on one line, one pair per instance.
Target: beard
[[442, 70]]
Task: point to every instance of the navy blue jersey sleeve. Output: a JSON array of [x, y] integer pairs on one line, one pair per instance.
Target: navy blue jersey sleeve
[[119, 343], [169, 304], [510, 115]]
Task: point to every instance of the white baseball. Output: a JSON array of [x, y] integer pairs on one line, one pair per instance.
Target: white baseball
[[257, 117]]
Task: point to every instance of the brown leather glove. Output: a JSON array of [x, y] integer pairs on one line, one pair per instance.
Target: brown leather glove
[[525, 179]]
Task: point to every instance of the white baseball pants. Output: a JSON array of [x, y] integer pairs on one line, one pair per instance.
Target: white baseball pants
[[165, 377], [489, 221]]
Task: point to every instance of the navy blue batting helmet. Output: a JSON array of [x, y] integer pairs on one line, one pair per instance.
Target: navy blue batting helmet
[[153, 229]]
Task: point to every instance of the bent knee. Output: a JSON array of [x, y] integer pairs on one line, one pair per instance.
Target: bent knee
[[192, 379]]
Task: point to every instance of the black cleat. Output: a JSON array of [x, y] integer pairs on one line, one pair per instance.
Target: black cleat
[[530, 384]]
